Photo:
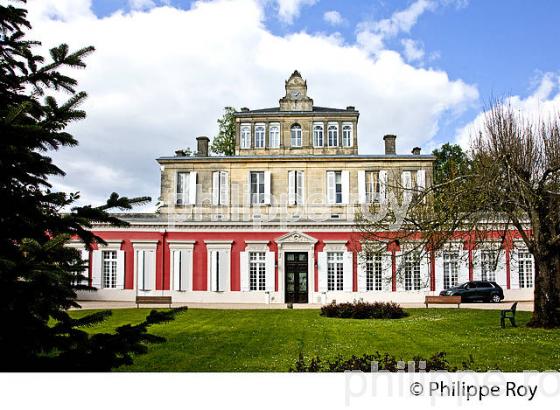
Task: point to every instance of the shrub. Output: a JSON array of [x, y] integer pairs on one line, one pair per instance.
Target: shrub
[[385, 362], [363, 310]]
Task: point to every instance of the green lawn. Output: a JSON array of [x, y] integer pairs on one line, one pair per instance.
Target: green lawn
[[270, 340]]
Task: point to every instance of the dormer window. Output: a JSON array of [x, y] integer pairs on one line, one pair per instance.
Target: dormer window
[[318, 136], [333, 135], [347, 135], [274, 136], [259, 136], [245, 136], [295, 135]]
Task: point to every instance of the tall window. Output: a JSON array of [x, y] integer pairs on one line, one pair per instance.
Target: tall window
[[318, 137], [333, 135], [259, 136], [335, 271], [372, 186], [257, 188], [245, 136], [374, 270], [295, 184], [295, 135], [109, 269], [274, 136], [334, 187], [347, 135], [487, 265], [450, 269], [220, 188], [257, 271], [412, 271], [183, 188], [525, 266]]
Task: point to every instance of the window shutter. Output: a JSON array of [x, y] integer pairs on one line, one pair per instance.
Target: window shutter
[[425, 270], [269, 261], [514, 268], [300, 194], [84, 254], [216, 188], [140, 270], [291, 187], [382, 186], [345, 187], [224, 188], [362, 187], [225, 259], [331, 189], [399, 260], [348, 271], [120, 269], [421, 179], [244, 270], [213, 282], [248, 190], [178, 275], [406, 183], [501, 268], [322, 268], [362, 280], [438, 286], [192, 188], [463, 266], [386, 271], [267, 187], [96, 268], [477, 274]]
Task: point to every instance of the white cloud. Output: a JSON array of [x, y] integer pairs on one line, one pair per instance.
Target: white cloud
[[288, 10], [541, 104], [161, 77], [413, 50], [333, 17]]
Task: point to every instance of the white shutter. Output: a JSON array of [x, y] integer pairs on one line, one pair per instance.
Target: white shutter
[[291, 187], [362, 279], [501, 268], [425, 270], [438, 286], [513, 269], [216, 188], [267, 187], [213, 282], [348, 271], [387, 271], [322, 268], [463, 266], [300, 177], [406, 183], [140, 270], [399, 260], [331, 189], [84, 255], [244, 270], [345, 187], [96, 268], [421, 179], [224, 188], [192, 188], [120, 269], [248, 190], [362, 187], [269, 281], [476, 264], [382, 186], [225, 259]]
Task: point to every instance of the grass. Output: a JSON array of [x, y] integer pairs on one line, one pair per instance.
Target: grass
[[202, 340]]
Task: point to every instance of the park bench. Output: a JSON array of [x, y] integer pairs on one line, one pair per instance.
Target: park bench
[[153, 300], [508, 314], [443, 300]]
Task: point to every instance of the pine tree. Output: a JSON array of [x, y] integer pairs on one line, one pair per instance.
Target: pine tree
[[39, 275]]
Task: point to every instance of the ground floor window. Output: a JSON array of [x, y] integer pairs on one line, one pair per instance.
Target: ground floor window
[[374, 270], [257, 270], [487, 266], [109, 269], [525, 263], [412, 272], [335, 271], [450, 269]]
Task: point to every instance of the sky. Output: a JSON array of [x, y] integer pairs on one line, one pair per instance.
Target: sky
[[163, 70]]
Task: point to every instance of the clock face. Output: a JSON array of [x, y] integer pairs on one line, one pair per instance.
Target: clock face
[[295, 94]]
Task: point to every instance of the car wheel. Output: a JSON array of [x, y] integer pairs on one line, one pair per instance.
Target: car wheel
[[496, 298]]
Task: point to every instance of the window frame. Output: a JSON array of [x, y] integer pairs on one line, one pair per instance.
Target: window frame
[[335, 135], [412, 271], [109, 269], [260, 136], [276, 139], [374, 272], [318, 126], [260, 181], [450, 269], [335, 271], [525, 267], [245, 136], [347, 126], [257, 270], [298, 136], [182, 198]]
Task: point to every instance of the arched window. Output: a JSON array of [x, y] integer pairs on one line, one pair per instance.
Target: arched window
[[347, 135], [274, 136], [246, 136], [333, 135], [295, 135], [259, 136], [318, 135]]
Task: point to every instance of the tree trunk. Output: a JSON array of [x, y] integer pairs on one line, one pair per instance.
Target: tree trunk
[[546, 311]]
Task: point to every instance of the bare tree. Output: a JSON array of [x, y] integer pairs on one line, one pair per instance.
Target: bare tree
[[512, 184]]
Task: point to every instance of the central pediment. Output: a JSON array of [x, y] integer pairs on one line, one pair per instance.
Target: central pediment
[[296, 237]]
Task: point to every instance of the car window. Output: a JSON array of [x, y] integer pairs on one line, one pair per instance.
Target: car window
[[485, 285]]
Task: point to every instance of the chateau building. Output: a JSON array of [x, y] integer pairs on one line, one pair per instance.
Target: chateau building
[[274, 223]]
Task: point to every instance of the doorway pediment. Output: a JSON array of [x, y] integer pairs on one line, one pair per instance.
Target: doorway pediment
[[296, 237]]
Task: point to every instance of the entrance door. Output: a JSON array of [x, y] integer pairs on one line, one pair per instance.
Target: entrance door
[[296, 277]]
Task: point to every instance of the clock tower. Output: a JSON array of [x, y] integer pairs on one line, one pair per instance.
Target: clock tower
[[296, 98]]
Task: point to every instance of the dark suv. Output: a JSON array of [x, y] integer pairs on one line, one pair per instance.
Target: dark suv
[[476, 290]]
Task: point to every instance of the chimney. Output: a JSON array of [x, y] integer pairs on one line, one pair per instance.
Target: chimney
[[202, 146], [350, 108], [390, 144], [416, 150], [244, 109]]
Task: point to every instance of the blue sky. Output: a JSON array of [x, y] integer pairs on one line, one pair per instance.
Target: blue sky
[[424, 70]]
